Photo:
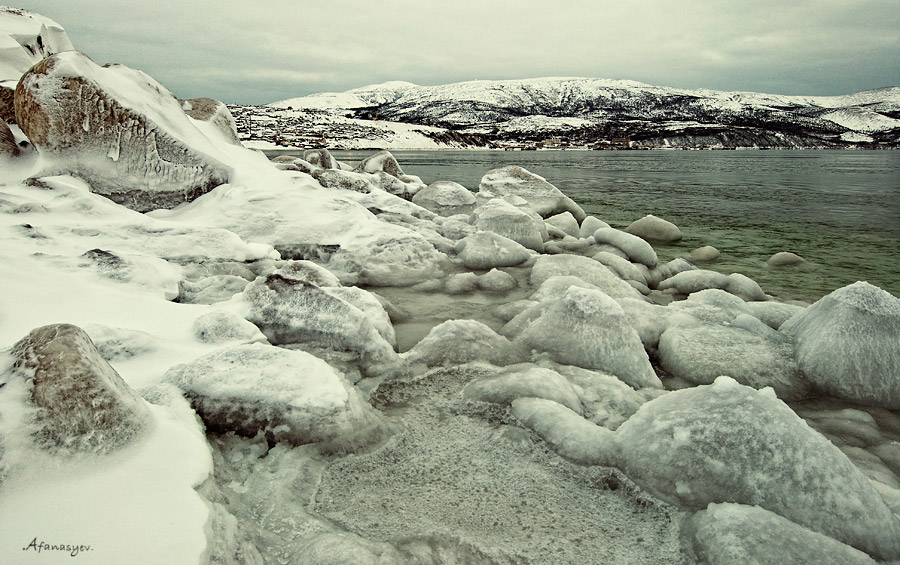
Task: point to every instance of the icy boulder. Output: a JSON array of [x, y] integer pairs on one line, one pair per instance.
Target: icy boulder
[[848, 346], [729, 443], [542, 197], [565, 222], [289, 395], [505, 219], [25, 39], [733, 533], [220, 326], [487, 250], [214, 113], [785, 259], [523, 381], [296, 312], [446, 198], [703, 254], [746, 350], [455, 342], [637, 250], [589, 225], [389, 176], [321, 158], [394, 260], [655, 229], [120, 130], [82, 404], [586, 269], [588, 329], [687, 282]]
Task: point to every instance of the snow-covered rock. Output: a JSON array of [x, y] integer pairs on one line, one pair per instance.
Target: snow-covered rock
[[655, 229], [118, 129], [487, 250], [734, 533], [704, 254], [848, 346], [321, 158], [220, 326], [25, 39], [446, 198], [588, 329], [729, 443], [688, 282], [626, 270], [784, 258], [543, 197], [295, 312], [586, 269], [590, 225], [503, 218], [79, 402], [402, 260], [289, 395], [637, 250], [214, 113], [455, 342], [566, 223]]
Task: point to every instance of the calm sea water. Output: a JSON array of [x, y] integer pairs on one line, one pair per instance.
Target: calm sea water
[[838, 209]]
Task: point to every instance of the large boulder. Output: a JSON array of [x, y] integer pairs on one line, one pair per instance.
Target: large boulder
[[586, 269], [637, 249], [487, 250], [118, 129], [289, 395], [215, 113], [446, 198], [82, 404], [501, 217], [848, 346], [543, 197]]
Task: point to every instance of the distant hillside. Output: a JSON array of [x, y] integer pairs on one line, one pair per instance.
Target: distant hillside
[[575, 112]]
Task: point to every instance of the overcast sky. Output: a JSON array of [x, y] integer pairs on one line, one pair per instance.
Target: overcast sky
[[244, 51]]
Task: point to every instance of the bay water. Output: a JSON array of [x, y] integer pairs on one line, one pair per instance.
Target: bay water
[[840, 210]]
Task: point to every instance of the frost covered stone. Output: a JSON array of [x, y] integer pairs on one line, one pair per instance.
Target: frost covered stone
[[588, 329], [724, 534], [445, 198], [455, 342], [83, 404], [297, 312], [848, 345], [220, 326], [655, 229], [487, 250], [321, 158], [119, 129], [634, 247], [586, 269], [289, 395], [503, 218], [542, 196], [565, 222], [523, 381], [729, 443], [589, 225], [687, 282], [215, 113], [785, 258], [703, 254], [403, 260]]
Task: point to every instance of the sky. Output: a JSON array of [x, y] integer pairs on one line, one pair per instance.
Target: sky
[[241, 51]]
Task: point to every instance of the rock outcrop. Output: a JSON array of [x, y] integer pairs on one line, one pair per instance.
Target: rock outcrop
[[118, 129]]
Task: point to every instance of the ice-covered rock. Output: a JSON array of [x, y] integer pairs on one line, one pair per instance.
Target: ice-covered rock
[[745, 287], [688, 282], [587, 328], [785, 258], [734, 533], [343, 180], [403, 260], [523, 381], [543, 197], [566, 431], [704, 254], [118, 129], [210, 290], [496, 280], [220, 326], [487, 250], [637, 249], [772, 312], [455, 342], [7, 102], [118, 344], [25, 39], [461, 283], [655, 229], [289, 395], [729, 443], [503, 218], [446, 198], [626, 270], [590, 225], [586, 269], [756, 357], [389, 176], [215, 113], [321, 158], [566, 223], [848, 346], [554, 288], [82, 403], [666, 270], [300, 313]]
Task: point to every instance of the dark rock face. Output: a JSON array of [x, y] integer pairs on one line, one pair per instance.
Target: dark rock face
[[124, 155], [7, 141], [84, 405]]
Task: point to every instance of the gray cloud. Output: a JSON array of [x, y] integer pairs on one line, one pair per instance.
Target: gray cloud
[[239, 51]]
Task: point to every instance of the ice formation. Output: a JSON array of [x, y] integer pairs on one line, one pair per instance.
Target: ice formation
[[446, 198], [288, 395], [118, 129], [634, 247], [543, 197], [588, 329], [654, 229], [526, 381], [487, 250], [501, 217], [455, 342], [847, 344], [784, 258], [586, 269]]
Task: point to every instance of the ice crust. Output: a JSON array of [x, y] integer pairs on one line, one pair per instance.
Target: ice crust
[[520, 381], [543, 197], [446, 198], [586, 269], [456, 342], [654, 229], [633, 246], [848, 346], [487, 250], [501, 217]]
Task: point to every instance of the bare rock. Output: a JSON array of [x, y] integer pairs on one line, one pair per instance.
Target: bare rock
[[118, 129], [84, 405], [7, 141]]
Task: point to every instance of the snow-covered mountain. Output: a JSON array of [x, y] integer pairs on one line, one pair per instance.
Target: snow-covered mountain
[[593, 112]]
